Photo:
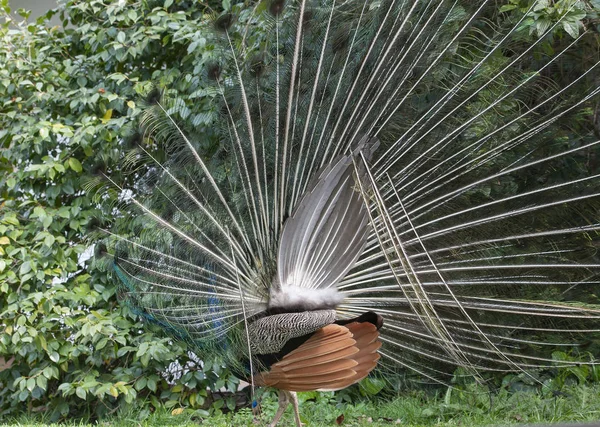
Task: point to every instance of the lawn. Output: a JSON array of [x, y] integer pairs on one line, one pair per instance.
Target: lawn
[[472, 407]]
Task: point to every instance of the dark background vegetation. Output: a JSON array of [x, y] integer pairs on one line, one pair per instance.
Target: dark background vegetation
[[69, 96]]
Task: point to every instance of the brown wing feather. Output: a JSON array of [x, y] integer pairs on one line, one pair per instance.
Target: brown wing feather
[[319, 360], [334, 358]]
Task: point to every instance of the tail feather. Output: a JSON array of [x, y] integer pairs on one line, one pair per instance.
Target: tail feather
[[388, 157]]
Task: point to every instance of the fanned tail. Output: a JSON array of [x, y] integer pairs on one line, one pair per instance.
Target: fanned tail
[[472, 229]]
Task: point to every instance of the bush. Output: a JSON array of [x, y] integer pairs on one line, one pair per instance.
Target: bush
[[68, 98]]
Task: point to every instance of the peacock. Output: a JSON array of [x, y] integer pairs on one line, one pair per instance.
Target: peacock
[[393, 187]]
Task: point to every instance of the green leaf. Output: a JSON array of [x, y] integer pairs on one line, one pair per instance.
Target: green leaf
[[107, 116], [42, 382], [64, 212], [49, 240], [113, 391], [101, 344], [168, 3], [89, 383], [75, 164], [507, 7], [371, 386], [80, 392], [121, 37], [25, 268], [140, 383], [572, 28], [542, 26], [46, 221]]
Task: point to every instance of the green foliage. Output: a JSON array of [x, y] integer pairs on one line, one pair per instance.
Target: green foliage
[[67, 99], [541, 16]]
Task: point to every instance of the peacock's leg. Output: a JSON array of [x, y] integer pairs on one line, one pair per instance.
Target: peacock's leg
[[294, 399], [284, 401]]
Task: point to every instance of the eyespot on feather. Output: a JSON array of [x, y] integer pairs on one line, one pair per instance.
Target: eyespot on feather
[[340, 39], [100, 250], [276, 7], [132, 140], [154, 96], [257, 65], [99, 169], [307, 18], [224, 22], [213, 71], [95, 223]]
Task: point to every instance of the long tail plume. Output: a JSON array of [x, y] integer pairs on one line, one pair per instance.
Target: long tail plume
[[472, 228]]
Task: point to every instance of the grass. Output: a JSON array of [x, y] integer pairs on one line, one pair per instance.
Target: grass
[[471, 407]]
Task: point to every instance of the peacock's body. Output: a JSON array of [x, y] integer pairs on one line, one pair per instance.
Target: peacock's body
[[380, 161]]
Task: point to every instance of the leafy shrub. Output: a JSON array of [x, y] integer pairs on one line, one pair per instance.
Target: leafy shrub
[[68, 97]]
